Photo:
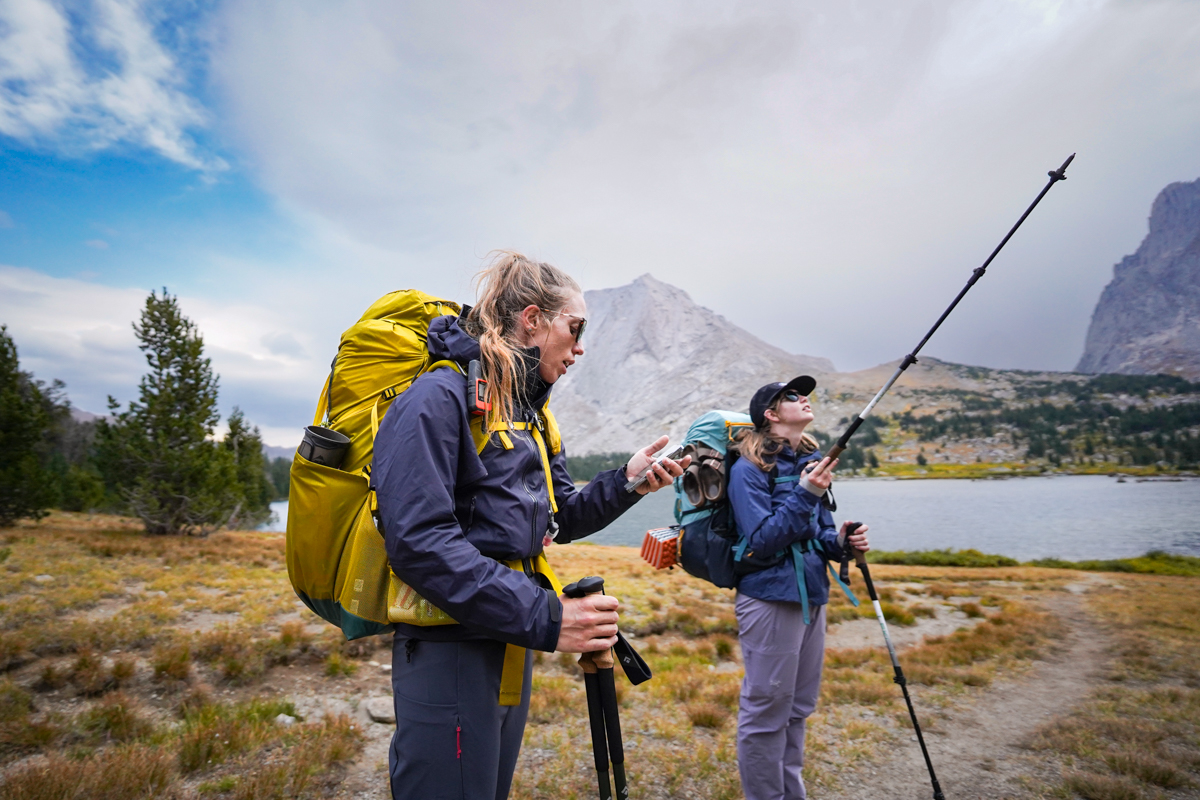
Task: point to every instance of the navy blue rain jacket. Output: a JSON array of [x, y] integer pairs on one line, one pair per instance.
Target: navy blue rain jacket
[[450, 515], [772, 516]]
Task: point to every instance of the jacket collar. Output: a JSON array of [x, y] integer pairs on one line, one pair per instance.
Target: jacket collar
[[448, 341]]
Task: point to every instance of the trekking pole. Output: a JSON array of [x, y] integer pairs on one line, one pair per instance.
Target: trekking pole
[[596, 721], [1056, 175], [861, 560], [602, 704], [612, 721]]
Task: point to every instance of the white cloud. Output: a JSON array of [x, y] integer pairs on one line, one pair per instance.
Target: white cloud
[[97, 244], [81, 332], [824, 174], [6, 221], [49, 94]]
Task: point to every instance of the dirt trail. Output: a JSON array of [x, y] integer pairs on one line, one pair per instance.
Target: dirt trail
[[976, 751]]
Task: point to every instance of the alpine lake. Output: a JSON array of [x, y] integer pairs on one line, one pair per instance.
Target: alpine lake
[[1073, 517]]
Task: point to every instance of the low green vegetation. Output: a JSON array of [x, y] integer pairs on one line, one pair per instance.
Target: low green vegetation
[[940, 558], [1154, 562]]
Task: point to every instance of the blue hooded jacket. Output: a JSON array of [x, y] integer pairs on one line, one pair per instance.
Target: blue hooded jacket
[[450, 516], [773, 515]]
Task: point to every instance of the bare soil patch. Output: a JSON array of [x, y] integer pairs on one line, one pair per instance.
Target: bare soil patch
[[977, 746], [865, 632]]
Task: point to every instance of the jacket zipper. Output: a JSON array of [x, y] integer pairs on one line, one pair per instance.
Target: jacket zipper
[[537, 506]]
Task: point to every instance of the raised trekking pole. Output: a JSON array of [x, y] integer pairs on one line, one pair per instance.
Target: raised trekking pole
[[898, 677], [842, 443], [1056, 175], [602, 704]]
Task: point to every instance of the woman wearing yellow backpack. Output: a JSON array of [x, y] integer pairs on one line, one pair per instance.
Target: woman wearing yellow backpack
[[453, 512]]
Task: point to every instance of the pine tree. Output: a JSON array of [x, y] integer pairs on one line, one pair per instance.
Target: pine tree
[[26, 490], [244, 444], [159, 455]]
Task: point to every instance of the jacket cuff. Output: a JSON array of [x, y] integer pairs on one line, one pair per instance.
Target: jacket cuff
[[810, 488], [627, 498], [550, 643]]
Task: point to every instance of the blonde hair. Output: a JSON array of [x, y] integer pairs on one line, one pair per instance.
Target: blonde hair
[[760, 446], [504, 288]]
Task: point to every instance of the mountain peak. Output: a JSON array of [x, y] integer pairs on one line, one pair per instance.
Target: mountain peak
[[654, 360], [1148, 318]]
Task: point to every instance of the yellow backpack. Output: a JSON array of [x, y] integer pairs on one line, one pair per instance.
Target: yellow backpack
[[335, 554]]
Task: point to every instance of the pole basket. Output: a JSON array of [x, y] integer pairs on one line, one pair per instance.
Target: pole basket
[[660, 547]]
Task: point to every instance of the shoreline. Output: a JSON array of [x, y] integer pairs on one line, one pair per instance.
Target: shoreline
[[974, 472], [1003, 471]]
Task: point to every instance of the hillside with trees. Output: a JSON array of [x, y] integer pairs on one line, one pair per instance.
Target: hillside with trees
[[157, 460]]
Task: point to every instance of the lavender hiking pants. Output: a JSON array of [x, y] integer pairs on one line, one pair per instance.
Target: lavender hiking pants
[[783, 659]]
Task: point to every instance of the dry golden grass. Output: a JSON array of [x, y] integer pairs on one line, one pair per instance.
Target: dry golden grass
[[129, 772], [679, 728], [188, 614], [1139, 734], [93, 608]]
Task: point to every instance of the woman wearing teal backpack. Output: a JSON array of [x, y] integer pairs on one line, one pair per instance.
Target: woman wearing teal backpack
[[776, 490]]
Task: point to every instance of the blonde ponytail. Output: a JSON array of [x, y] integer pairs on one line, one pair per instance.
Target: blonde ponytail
[[505, 287]]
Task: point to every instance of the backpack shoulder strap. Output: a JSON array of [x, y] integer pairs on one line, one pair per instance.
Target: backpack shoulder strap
[[389, 393], [553, 436]]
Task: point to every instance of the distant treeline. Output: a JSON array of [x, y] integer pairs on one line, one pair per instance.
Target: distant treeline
[[1089, 425], [157, 459], [584, 468]]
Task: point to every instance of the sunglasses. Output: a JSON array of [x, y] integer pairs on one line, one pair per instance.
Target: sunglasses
[[582, 323], [791, 396]]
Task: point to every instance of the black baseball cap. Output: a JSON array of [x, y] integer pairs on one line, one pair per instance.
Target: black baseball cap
[[765, 396]]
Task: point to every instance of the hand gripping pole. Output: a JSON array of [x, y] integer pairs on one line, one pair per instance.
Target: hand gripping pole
[[602, 705]]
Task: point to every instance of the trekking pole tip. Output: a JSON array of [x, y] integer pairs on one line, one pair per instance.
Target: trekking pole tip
[[1060, 174]]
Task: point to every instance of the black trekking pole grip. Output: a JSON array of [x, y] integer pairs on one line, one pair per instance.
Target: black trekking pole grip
[[860, 558], [601, 689]]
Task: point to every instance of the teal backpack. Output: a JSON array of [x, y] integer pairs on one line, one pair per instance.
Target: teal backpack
[[709, 546]]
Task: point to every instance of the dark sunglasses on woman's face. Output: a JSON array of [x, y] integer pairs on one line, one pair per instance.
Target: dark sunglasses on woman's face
[[578, 332], [791, 396]]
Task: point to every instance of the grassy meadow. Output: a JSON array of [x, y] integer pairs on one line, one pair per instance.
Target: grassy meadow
[[136, 666]]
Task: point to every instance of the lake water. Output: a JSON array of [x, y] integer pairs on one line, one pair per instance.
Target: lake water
[[1068, 516]]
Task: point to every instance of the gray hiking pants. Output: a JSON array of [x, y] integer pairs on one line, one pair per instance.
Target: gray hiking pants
[[453, 739], [783, 659]]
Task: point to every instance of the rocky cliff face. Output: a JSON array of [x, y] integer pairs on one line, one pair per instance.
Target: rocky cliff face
[[1148, 318], [654, 361]]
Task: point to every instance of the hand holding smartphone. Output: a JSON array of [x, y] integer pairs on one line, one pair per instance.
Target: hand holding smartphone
[[672, 453]]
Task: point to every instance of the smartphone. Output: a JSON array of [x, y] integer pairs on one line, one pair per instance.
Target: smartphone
[[673, 454]]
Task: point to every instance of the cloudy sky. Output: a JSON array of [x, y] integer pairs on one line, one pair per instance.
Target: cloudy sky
[[824, 174]]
